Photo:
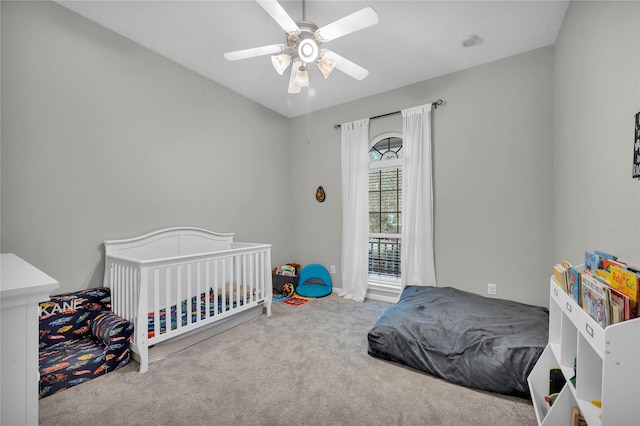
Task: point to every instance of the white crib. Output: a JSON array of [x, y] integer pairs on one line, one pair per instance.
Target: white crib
[[195, 276]]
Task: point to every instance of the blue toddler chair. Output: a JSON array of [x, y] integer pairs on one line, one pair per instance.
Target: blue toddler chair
[[314, 281]]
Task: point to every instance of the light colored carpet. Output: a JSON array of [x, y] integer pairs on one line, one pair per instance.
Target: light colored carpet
[[305, 365]]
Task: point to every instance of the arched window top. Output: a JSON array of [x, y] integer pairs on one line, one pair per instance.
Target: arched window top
[[386, 147]]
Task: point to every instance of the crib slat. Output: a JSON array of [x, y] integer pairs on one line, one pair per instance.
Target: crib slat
[[156, 301], [252, 271], [223, 281], [140, 328], [117, 278], [237, 260], [234, 282], [207, 282], [216, 284], [135, 295], [199, 295], [189, 308], [167, 299], [193, 294], [125, 279], [259, 283], [175, 295], [261, 280], [244, 282], [228, 283]]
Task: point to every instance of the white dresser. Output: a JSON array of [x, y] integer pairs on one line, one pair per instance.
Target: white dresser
[[22, 287]]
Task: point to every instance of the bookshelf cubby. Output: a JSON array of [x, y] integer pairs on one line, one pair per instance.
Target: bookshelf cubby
[[607, 370]]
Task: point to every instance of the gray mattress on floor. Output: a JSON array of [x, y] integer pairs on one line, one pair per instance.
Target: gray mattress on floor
[[475, 341]]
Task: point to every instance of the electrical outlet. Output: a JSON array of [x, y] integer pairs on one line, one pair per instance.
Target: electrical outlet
[[333, 269], [492, 288]]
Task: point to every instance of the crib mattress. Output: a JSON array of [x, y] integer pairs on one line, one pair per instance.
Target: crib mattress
[[184, 310], [480, 342]]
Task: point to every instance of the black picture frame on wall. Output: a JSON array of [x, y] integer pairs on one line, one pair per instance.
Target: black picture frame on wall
[[636, 149]]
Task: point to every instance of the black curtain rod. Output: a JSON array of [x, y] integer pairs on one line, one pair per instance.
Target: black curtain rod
[[435, 105]]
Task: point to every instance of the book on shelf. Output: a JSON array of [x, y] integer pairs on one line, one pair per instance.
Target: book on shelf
[[591, 261], [604, 272], [620, 306], [608, 263], [626, 282], [605, 255], [574, 278], [595, 299], [560, 274], [603, 275], [596, 259]]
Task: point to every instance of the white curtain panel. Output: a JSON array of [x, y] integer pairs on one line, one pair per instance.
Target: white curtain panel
[[355, 209], [418, 264]]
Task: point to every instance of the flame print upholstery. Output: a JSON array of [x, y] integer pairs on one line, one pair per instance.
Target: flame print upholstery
[[80, 338]]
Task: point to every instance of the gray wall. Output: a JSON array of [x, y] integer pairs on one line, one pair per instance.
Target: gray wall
[[597, 93], [532, 158], [492, 176], [104, 139]]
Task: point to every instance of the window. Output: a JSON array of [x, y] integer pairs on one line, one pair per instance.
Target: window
[[385, 209]]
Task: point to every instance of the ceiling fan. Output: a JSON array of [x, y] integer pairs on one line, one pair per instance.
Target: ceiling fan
[[303, 40]]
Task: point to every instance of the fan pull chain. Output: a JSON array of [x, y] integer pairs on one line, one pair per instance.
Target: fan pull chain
[[308, 119]]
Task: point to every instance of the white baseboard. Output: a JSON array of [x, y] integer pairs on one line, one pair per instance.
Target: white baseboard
[[375, 296], [380, 297]]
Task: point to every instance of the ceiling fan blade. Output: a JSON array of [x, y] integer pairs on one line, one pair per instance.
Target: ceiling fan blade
[[356, 21], [277, 12], [346, 66], [293, 89], [255, 51]]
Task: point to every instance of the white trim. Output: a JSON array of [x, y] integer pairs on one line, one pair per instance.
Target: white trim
[[385, 135], [384, 288], [391, 285], [373, 296], [383, 235], [384, 282], [381, 298], [386, 164]]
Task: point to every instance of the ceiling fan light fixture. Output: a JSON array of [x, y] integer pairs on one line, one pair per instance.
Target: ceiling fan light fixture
[[308, 50], [302, 77], [302, 47], [280, 62], [326, 67]]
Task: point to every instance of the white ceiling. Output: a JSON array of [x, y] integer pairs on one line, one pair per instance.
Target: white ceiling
[[414, 40]]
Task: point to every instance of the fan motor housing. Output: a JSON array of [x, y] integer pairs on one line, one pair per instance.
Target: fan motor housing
[[305, 42], [307, 31]]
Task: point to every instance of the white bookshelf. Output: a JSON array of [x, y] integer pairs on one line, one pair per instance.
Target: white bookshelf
[[608, 367]]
